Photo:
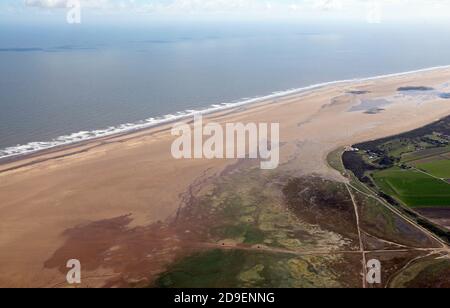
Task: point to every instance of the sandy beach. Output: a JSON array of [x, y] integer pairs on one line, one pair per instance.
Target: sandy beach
[[134, 175]]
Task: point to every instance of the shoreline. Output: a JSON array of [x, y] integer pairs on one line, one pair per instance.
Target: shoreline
[[66, 142], [52, 196]]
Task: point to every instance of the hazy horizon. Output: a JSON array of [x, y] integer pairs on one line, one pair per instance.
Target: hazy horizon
[[142, 11]]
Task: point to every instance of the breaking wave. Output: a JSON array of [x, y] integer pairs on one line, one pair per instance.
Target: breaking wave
[[34, 147]]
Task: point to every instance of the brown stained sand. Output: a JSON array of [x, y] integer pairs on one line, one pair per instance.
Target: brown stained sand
[[135, 174]]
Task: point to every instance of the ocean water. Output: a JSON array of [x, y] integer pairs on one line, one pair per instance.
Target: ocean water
[[68, 83]]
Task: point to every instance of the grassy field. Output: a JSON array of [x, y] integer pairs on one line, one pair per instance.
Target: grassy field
[[407, 170], [422, 154], [380, 222], [237, 268], [334, 159], [414, 188], [439, 168]]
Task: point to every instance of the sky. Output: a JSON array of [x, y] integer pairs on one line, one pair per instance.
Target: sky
[[373, 11]]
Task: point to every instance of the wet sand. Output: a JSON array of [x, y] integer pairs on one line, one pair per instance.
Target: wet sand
[[135, 176]]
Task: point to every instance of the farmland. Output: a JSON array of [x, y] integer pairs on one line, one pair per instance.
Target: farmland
[[413, 187], [437, 168], [410, 171]]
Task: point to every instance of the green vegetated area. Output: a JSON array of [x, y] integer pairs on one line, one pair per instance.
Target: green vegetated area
[[376, 220], [268, 229], [411, 169], [258, 228], [239, 268], [413, 187], [439, 167], [423, 273]]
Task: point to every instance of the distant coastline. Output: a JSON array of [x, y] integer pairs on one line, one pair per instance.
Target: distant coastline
[[20, 151]]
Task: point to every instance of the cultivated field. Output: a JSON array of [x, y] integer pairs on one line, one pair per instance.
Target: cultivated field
[[414, 188]]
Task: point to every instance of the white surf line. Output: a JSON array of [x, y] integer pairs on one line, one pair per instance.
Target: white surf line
[[81, 136]]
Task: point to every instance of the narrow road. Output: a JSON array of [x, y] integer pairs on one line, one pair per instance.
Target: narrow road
[[301, 253], [361, 244], [402, 215]]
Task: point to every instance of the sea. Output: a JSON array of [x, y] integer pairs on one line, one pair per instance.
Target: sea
[[61, 84]]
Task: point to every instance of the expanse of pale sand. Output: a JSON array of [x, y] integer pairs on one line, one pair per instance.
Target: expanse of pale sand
[[136, 174]]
